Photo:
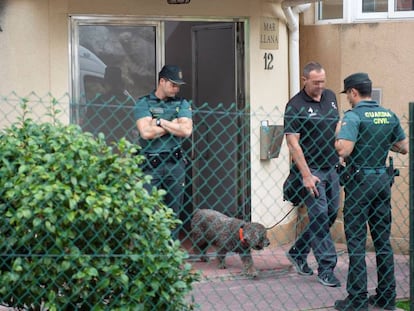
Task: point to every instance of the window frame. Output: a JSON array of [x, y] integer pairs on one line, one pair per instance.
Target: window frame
[[390, 14], [345, 14], [77, 78], [352, 12], [369, 15], [398, 14]]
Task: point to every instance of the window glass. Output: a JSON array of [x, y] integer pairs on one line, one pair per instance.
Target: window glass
[[332, 9], [114, 63], [127, 51], [374, 6]]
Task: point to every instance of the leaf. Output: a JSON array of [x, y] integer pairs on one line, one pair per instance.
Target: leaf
[[50, 227], [24, 213], [71, 216], [92, 272]]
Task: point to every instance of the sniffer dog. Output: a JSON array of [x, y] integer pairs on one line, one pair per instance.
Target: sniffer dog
[[227, 234]]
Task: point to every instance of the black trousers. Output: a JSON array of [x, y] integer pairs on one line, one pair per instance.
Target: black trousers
[[368, 201], [170, 176]]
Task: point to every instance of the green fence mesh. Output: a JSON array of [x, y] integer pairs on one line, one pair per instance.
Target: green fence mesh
[[110, 253]]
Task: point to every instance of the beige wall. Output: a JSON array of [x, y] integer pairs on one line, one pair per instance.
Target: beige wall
[[25, 53], [384, 50]]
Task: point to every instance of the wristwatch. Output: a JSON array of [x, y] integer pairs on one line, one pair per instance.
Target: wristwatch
[[158, 122]]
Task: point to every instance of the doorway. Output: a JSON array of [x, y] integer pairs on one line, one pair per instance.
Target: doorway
[[211, 54], [212, 57]]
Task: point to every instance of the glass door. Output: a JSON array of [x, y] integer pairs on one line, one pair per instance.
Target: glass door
[[114, 62]]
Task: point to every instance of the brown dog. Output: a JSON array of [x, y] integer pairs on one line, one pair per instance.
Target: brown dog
[[211, 228]]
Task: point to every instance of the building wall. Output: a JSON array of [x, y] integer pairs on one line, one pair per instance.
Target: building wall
[[24, 47], [384, 50]]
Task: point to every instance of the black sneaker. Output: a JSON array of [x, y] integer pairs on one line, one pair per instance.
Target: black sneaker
[[300, 265], [349, 305], [329, 279], [380, 302]]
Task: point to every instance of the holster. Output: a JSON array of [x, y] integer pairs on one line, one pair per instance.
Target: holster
[[391, 171]]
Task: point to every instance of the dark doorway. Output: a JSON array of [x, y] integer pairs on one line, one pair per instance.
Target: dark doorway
[[212, 57]]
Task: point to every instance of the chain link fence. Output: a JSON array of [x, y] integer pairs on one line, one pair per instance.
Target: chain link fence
[[237, 169]]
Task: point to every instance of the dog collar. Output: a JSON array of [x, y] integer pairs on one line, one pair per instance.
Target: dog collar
[[241, 234]]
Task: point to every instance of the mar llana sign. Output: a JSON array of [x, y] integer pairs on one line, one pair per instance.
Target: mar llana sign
[[269, 33]]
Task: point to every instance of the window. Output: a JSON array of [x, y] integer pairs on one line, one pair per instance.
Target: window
[[402, 8], [377, 95], [404, 5], [369, 6], [351, 10], [330, 10], [114, 61], [384, 9]]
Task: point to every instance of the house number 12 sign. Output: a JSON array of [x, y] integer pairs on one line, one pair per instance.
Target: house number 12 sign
[[268, 60]]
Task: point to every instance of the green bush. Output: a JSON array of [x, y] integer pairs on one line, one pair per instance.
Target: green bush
[[77, 229], [404, 305]]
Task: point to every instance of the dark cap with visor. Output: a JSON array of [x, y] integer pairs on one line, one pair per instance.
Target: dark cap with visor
[[172, 73], [356, 80]]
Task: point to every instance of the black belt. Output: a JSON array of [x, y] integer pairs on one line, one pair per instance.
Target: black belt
[[154, 159], [176, 154], [374, 170]]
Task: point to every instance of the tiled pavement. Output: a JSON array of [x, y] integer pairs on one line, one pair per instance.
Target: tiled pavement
[[278, 287]]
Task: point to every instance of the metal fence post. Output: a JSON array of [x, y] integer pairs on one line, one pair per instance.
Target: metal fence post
[[411, 183]]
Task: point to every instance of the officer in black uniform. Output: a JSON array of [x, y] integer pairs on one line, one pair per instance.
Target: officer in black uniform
[[163, 121], [310, 121], [364, 138]]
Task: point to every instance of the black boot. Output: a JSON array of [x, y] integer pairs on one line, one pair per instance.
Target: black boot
[[377, 301], [349, 304]]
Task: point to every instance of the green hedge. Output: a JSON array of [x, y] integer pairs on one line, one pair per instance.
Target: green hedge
[[77, 229]]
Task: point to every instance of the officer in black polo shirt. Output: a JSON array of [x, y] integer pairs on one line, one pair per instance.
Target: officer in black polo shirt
[[311, 117], [366, 135], [163, 121]]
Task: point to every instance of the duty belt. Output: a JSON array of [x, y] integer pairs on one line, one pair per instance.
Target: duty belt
[[155, 159], [370, 171], [176, 154]]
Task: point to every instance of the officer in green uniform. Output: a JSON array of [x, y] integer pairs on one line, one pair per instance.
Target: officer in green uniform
[[364, 138], [163, 121]]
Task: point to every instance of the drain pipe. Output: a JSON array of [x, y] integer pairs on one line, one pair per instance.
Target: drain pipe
[[292, 9]]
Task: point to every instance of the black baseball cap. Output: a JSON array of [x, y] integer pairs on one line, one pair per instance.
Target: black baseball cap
[[359, 79], [172, 73]]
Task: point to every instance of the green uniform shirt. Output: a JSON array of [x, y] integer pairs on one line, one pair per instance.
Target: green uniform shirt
[[374, 130], [168, 109]]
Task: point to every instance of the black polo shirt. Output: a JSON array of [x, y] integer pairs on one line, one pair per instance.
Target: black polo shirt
[[316, 123]]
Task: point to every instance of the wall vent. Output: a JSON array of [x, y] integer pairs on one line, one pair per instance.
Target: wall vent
[[377, 95]]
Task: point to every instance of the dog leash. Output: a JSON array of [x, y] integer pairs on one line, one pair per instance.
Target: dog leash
[[284, 217]]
